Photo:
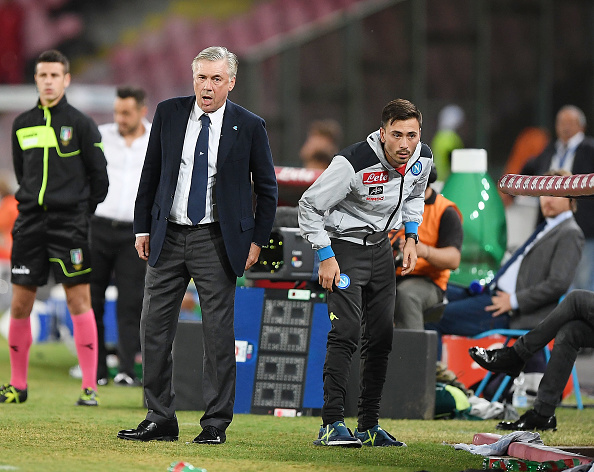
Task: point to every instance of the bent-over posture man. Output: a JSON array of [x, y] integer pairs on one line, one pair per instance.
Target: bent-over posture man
[[369, 188]]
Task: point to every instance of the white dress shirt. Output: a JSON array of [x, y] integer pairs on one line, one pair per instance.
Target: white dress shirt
[[179, 209], [507, 281], [124, 166], [572, 145]]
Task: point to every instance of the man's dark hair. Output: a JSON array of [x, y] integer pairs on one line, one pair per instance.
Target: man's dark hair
[[400, 110], [53, 55], [137, 93]]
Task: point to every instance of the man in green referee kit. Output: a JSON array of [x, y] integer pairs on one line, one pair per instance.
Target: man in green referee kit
[[62, 176]]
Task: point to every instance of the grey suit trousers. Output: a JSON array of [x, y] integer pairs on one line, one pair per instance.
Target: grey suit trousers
[[571, 324], [198, 253], [414, 295]]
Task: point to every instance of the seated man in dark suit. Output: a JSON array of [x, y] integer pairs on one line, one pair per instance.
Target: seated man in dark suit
[[571, 324], [528, 286]]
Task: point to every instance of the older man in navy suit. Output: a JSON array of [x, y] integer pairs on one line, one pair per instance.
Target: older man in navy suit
[[195, 217]]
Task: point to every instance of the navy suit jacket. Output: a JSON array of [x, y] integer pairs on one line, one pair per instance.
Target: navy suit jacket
[[243, 156]]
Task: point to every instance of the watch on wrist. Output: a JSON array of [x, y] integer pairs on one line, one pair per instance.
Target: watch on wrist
[[414, 236]]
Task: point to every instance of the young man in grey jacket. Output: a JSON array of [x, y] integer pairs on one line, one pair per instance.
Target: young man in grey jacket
[[369, 188]]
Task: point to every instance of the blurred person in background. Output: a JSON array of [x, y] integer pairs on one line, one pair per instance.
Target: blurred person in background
[[446, 139], [528, 144], [61, 171], [197, 217], [572, 151], [112, 236], [321, 144], [438, 251], [8, 215]]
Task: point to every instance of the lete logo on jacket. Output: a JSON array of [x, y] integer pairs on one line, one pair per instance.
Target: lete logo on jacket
[[370, 178]]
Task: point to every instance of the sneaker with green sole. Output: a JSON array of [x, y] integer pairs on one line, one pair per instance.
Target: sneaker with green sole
[[376, 436], [10, 394], [336, 434], [88, 397]]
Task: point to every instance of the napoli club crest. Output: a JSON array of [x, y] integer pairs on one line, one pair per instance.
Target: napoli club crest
[[345, 281], [416, 168]]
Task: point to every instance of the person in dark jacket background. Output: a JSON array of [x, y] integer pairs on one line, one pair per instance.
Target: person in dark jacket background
[[62, 175], [572, 151]]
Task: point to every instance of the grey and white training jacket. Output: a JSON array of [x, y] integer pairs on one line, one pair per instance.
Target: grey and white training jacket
[[360, 196]]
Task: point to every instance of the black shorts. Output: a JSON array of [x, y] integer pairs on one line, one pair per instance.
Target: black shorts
[[50, 239]]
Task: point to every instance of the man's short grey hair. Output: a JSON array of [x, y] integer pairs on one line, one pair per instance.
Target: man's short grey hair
[[216, 53], [580, 114]]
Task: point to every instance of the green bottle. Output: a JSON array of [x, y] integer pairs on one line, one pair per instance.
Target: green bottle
[[485, 231]]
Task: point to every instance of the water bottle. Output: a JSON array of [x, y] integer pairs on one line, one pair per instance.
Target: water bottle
[[519, 398], [483, 217], [476, 287]]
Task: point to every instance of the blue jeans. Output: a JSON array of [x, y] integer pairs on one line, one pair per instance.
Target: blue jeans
[[465, 315]]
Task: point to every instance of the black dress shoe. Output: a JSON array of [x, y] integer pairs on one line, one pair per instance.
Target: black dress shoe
[[210, 435], [529, 421], [505, 360], [150, 431]]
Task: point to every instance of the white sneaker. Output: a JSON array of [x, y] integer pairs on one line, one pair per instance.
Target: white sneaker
[[75, 372], [124, 379]]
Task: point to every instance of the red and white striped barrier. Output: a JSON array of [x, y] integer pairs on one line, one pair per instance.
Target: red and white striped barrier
[[553, 185]]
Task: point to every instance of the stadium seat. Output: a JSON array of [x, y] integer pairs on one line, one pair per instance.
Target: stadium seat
[[160, 55], [267, 20], [178, 41], [297, 13]]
